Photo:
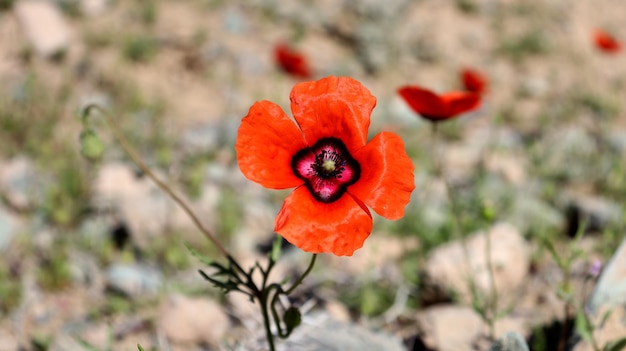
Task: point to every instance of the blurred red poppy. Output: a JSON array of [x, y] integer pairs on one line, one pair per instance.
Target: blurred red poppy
[[606, 42], [292, 61], [326, 157], [437, 108], [474, 81]]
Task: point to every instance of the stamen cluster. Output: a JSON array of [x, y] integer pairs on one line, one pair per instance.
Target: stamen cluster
[[328, 164]]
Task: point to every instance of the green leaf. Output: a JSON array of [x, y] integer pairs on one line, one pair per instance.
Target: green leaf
[[199, 256], [605, 317], [583, 327], [616, 345], [84, 343], [550, 247], [139, 347]]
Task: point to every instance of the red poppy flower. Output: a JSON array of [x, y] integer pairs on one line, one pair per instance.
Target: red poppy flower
[[473, 81], [292, 61], [606, 42], [435, 107], [325, 156]]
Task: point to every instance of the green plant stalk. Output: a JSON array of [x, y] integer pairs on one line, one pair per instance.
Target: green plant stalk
[[263, 301], [304, 275], [492, 305], [494, 292], [566, 308], [456, 213], [264, 293], [119, 136]]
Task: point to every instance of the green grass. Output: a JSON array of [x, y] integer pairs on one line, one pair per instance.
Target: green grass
[[10, 288], [531, 43], [140, 48], [28, 116], [53, 268]]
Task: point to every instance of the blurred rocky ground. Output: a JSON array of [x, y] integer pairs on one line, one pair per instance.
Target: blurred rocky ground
[[93, 255]]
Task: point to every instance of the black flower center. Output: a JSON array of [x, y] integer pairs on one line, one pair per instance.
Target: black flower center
[[327, 169]]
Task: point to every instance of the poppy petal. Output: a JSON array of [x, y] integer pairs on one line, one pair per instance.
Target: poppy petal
[[460, 102], [386, 179], [424, 102], [339, 227], [266, 141], [337, 107], [606, 42], [292, 61], [473, 81]]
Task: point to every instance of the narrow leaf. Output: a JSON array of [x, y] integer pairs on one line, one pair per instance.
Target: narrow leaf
[[199, 256], [616, 345], [583, 327]]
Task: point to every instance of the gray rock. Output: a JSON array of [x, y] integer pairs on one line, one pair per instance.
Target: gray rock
[[45, 27], [559, 148], [18, 182], [544, 216], [9, 227], [234, 21], [449, 266], [377, 10], [10, 341], [70, 336], [94, 7], [134, 280], [534, 87], [84, 270], [610, 291], [596, 212], [511, 167], [608, 296], [143, 207], [510, 342], [450, 327], [94, 230], [616, 139], [201, 138], [193, 321], [331, 335]]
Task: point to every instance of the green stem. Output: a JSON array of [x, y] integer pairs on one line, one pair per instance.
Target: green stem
[[494, 291], [566, 312], [263, 299], [119, 136], [306, 272], [456, 212]]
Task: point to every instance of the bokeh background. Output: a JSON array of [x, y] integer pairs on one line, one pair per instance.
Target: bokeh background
[[93, 255]]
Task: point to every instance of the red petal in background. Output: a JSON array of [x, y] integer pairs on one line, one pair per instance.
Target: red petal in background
[[606, 42], [291, 61]]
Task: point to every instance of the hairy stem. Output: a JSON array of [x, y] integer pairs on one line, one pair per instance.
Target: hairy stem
[[306, 272], [263, 301], [119, 136]]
